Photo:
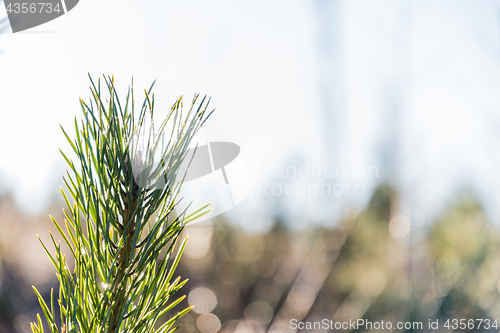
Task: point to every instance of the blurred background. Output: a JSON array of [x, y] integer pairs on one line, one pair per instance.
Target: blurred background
[[370, 137]]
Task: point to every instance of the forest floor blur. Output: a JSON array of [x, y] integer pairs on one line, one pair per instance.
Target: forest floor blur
[[372, 265]]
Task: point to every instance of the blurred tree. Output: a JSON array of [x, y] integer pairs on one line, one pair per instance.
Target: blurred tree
[[465, 250]]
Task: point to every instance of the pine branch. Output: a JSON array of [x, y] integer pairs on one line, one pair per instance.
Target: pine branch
[[126, 172]]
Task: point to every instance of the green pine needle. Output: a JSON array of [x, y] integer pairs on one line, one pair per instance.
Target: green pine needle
[[121, 227]]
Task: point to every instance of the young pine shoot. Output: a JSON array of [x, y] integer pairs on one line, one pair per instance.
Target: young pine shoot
[[120, 224]]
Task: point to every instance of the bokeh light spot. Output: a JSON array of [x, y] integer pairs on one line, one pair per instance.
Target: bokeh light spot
[[208, 323], [203, 299], [399, 227]]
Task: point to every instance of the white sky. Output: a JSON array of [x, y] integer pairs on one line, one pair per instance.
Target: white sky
[[258, 61]]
